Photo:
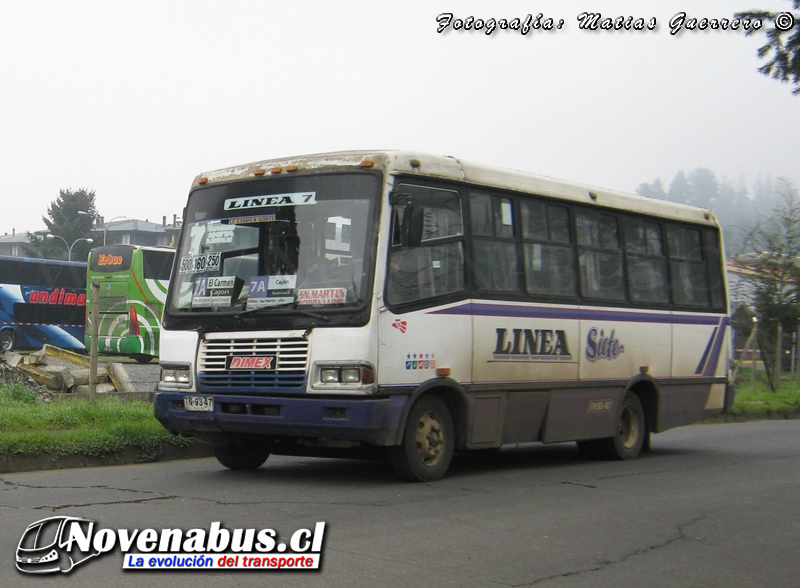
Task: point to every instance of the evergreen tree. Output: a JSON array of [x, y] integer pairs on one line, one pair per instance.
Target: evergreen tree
[[679, 189], [63, 221], [654, 190], [736, 212], [782, 49], [700, 187], [703, 188]]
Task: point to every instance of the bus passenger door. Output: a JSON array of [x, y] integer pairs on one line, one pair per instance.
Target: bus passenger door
[[424, 331]]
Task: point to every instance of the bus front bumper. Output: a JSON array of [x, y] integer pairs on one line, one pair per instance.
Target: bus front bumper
[[371, 420]]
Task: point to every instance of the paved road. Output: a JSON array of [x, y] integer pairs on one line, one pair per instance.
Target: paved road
[[712, 505]]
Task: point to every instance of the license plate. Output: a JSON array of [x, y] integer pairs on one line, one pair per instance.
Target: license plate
[[205, 403]]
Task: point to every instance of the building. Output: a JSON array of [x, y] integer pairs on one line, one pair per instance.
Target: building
[[131, 231], [13, 244], [119, 230]]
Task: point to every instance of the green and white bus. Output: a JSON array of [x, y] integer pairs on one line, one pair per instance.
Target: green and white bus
[[133, 283], [413, 305]]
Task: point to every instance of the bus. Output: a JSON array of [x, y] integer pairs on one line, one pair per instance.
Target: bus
[[408, 306], [133, 283], [42, 301]]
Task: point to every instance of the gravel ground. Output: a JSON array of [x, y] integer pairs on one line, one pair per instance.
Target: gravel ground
[[144, 376], [9, 375]]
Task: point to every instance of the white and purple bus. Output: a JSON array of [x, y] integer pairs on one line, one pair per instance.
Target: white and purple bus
[[410, 305]]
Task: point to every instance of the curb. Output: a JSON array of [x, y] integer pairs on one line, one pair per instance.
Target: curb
[[15, 462], [776, 415]]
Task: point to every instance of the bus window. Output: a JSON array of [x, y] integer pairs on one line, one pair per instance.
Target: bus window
[[549, 255], [434, 268], [600, 256], [646, 262], [690, 285], [495, 261]]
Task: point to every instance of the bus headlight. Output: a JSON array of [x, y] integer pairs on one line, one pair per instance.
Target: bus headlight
[[329, 375], [351, 375], [52, 556], [344, 375], [176, 375]]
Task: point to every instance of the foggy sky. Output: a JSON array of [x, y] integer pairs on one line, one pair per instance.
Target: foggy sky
[[133, 100]]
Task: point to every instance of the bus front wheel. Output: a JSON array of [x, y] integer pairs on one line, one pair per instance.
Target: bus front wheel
[[629, 430], [428, 442], [7, 340], [248, 455]]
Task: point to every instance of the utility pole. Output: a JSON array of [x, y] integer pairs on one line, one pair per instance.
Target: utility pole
[[93, 346]]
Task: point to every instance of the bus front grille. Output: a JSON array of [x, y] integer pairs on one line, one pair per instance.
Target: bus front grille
[[287, 371]]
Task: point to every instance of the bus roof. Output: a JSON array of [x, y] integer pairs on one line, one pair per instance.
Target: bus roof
[[451, 168], [43, 260], [131, 246]]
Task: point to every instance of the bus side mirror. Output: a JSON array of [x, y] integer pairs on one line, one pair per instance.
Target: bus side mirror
[[413, 222]]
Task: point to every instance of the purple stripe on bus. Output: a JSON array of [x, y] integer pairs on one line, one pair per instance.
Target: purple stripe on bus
[[703, 359], [713, 360], [584, 314]]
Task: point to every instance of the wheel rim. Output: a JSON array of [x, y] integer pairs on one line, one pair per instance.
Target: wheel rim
[[628, 427], [429, 439]]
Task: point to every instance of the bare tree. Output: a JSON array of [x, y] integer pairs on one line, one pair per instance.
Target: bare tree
[[774, 258]]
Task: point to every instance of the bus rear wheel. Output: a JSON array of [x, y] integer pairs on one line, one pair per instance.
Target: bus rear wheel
[[246, 455], [428, 442], [7, 340], [629, 430]]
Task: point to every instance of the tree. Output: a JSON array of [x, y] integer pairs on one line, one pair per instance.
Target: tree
[[782, 49], [700, 187], [705, 188], [775, 261], [654, 190], [63, 221], [679, 189]]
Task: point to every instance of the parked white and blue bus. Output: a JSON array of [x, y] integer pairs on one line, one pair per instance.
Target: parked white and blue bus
[[411, 305], [42, 301]]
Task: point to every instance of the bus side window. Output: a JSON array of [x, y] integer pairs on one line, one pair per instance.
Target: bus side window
[[436, 266], [548, 251], [600, 256], [425, 272], [648, 282], [688, 266], [495, 250]]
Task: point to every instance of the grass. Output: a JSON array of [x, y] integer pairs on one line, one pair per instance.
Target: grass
[[763, 402], [105, 427]]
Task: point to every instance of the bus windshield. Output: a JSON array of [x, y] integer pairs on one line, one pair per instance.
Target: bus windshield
[[277, 245]]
